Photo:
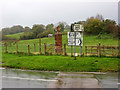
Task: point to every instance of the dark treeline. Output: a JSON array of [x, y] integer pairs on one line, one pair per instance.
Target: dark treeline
[[37, 31], [40, 30], [94, 25], [12, 30]]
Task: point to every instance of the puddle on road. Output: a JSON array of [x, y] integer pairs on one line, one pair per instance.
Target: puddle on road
[[108, 80], [76, 80], [26, 78], [36, 79]]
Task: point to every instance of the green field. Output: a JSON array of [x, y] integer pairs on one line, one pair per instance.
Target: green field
[[16, 35], [60, 63], [87, 40]]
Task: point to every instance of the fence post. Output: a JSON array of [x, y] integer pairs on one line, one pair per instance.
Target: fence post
[[28, 49], [81, 51], [103, 50], [99, 54], [91, 49], [112, 51], [71, 51], [40, 45], [45, 47], [16, 48], [86, 50], [6, 51], [65, 50], [34, 48]]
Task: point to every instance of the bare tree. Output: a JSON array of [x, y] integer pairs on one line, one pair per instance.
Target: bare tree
[[100, 17]]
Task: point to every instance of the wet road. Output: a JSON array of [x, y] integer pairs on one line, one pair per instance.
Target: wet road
[[36, 79]]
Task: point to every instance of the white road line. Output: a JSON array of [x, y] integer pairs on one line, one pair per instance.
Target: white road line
[[28, 78], [2, 68], [118, 83]]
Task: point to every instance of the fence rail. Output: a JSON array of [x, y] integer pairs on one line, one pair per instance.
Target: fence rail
[[102, 50], [39, 48]]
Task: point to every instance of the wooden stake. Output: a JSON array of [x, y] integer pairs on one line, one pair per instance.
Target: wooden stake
[[103, 50], [6, 49], [81, 51], [86, 50], [45, 48], [40, 45], [28, 49], [112, 51], [99, 54], [71, 51], [34, 48], [65, 49]]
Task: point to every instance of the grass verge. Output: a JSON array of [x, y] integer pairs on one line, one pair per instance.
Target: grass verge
[[60, 63]]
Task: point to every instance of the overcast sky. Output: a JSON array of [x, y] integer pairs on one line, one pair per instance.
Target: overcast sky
[[30, 12]]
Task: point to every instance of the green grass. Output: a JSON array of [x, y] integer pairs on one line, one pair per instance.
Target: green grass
[[60, 63], [87, 40], [16, 35]]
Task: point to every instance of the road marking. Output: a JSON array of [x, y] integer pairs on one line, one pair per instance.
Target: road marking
[[2, 68], [28, 78]]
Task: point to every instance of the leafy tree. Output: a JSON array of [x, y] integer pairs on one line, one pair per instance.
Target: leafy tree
[[117, 32], [27, 29], [36, 29], [49, 30], [50, 27], [110, 26], [16, 29], [81, 22], [93, 26], [67, 27], [62, 25], [5, 31]]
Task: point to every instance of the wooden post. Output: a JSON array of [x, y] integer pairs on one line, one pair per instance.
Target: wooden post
[[91, 49], [6, 49], [34, 48], [71, 51], [99, 54], [86, 50], [65, 49], [45, 48], [40, 45], [16, 48], [112, 51], [103, 50], [81, 51], [28, 49]]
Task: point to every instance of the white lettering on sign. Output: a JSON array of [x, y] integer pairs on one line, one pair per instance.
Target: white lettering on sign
[[71, 42], [78, 27], [72, 35], [79, 38]]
